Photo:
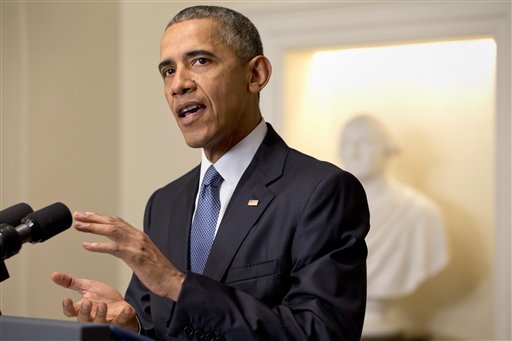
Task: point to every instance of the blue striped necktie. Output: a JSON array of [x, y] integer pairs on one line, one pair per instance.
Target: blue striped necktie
[[202, 233]]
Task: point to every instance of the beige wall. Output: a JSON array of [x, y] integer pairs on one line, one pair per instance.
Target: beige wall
[[59, 114], [152, 150], [84, 122]]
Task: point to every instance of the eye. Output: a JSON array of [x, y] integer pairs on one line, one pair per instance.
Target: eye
[[201, 61], [167, 72]]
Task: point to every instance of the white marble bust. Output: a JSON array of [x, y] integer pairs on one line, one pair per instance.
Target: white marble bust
[[406, 242]]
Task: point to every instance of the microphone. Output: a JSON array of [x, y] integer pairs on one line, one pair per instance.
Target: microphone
[[13, 215], [36, 227]]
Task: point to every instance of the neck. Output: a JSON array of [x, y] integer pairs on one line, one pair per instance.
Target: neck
[[222, 147]]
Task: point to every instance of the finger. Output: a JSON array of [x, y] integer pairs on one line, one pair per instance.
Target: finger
[[62, 279], [113, 228], [69, 282], [84, 312], [113, 231], [91, 217], [101, 313], [96, 228], [125, 317], [102, 247], [86, 216], [69, 308]]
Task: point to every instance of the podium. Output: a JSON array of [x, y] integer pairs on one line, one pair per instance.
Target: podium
[[31, 329]]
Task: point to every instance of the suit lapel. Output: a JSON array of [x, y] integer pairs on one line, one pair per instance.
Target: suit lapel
[[179, 226], [242, 211]]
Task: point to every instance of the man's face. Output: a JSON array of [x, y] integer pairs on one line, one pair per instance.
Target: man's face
[[206, 86]]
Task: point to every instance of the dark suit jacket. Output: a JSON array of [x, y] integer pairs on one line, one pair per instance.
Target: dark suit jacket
[[293, 267]]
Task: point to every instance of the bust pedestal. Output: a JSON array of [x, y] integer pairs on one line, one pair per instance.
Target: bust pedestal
[[378, 324]]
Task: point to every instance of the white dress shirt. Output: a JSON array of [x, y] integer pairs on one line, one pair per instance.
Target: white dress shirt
[[232, 165]]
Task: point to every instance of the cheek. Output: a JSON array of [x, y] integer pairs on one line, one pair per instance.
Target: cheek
[[225, 89], [170, 100], [167, 95]]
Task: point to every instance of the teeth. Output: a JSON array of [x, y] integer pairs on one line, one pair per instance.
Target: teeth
[[190, 108]]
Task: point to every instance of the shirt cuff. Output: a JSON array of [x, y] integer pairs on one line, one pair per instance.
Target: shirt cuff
[[139, 328]]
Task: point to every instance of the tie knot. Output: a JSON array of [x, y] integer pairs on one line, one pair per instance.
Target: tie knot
[[212, 177]]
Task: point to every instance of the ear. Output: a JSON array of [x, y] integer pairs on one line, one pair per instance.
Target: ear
[[259, 75]]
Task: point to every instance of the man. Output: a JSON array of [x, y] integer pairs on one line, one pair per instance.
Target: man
[[288, 259]]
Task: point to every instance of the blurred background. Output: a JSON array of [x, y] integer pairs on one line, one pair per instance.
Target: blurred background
[[84, 121]]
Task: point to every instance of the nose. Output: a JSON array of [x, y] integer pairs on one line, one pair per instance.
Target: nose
[[182, 82]]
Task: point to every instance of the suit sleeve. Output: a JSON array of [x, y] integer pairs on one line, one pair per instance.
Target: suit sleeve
[[327, 292], [139, 296]]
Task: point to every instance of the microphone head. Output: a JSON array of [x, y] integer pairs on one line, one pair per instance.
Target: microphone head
[[48, 221], [13, 215]]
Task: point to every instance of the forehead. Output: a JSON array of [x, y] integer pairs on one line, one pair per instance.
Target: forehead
[[190, 35]]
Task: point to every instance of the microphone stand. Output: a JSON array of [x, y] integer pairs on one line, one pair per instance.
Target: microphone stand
[[4, 274]]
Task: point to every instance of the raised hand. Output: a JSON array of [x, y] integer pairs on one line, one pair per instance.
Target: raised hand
[[136, 249], [100, 302]]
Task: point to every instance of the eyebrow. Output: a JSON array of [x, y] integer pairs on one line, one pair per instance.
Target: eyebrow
[[190, 54], [163, 64]]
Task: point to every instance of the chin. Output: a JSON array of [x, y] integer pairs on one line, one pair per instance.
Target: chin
[[193, 144], [192, 138]]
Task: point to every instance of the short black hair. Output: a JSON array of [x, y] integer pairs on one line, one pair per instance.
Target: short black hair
[[235, 29]]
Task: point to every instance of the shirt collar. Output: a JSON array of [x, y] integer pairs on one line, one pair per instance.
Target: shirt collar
[[233, 164]]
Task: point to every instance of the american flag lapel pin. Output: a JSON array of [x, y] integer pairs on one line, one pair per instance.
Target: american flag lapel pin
[[253, 202]]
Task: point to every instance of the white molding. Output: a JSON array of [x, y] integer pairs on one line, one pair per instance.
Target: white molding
[[503, 154]]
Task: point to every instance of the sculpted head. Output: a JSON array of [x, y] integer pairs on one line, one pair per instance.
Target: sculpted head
[[366, 147]]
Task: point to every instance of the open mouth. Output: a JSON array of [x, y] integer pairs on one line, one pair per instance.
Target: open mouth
[[189, 110]]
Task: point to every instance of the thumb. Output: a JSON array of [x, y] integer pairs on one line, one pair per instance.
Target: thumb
[[67, 281]]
